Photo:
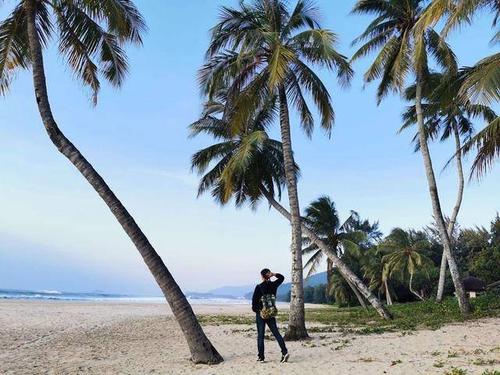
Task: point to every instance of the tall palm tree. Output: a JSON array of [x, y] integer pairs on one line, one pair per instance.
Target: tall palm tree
[[482, 81], [346, 238], [265, 49], [405, 256], [91, 37], [405, 50], [249, 167], [447, 115]]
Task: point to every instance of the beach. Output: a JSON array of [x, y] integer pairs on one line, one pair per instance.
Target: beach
[[62, 337]]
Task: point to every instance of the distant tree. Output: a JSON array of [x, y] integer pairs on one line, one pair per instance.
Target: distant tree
[[486, 265], [320, 294], [405, 256], [345, 238]]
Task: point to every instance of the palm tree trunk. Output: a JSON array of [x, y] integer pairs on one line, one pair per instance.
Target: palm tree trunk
[[411, 288], [329, 275], [331, 254], [454, 214], [201, 349], [387, 294], [463, 301], [356, 293], [297, 323]]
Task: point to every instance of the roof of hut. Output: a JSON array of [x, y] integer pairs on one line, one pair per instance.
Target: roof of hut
[[474, 284]]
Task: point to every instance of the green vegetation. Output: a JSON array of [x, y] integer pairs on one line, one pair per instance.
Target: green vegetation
[[407, 317], [456, 371], [491, 372], [405, 265]]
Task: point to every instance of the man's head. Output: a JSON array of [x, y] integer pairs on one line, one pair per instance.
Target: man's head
[[265, 273]]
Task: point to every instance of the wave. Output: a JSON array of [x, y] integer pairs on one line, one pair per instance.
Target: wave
[[99, 296]]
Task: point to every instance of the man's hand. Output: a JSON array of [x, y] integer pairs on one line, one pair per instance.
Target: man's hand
[[271, 274]]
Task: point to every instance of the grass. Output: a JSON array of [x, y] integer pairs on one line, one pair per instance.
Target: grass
[[407, 317], [484, 362], [456, 371], [438, 364]]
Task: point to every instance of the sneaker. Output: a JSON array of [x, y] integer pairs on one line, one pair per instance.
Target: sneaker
[[284, 358], [260, 359]]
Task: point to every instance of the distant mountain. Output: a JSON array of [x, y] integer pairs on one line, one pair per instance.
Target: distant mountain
[[314, 280], [246, 291], [196, 295], [233, 291]]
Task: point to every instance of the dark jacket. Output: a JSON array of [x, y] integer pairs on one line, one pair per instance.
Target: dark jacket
[[265, 287]]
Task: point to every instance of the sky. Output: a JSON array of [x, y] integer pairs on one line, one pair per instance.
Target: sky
[[55, 233]]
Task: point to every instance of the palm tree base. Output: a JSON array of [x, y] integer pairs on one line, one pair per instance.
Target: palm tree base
[[210, 356], [296, 334]]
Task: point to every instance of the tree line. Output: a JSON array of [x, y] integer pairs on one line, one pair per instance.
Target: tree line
[[260, 65], [403, 266]]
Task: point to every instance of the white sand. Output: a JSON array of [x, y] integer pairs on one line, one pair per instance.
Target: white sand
[[131, 338]]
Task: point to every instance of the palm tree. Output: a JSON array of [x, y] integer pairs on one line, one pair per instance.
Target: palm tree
[[482, 81], [372, 266], [249, 167], [404, 50], [405, 256], [457, 12], [344, 238], [265, 49], [91, 37], [447, 115]]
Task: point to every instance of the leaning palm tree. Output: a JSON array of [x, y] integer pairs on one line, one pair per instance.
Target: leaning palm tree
[[405, 257], [263, 49], [403, 51], [91, 37], [447, 115], [248, 167], [344, 238], [482, 81]]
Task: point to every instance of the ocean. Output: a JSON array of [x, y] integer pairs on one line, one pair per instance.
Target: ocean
[[56, 295]]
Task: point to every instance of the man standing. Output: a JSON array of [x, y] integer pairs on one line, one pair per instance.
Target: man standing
[[265, 293]]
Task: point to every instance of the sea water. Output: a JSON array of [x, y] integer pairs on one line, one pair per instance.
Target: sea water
[[108, 297]]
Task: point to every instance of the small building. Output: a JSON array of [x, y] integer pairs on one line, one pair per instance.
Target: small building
[[474, 286]]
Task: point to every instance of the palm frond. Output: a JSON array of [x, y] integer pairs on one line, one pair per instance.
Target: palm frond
[[482, 81], [14, 49]]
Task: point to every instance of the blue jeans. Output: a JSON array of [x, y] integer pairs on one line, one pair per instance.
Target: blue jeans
[[261, 327]]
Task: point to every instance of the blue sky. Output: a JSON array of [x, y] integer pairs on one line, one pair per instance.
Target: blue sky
[[55, 233]]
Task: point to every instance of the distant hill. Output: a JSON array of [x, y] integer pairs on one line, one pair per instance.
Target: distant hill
[[233, 291], [246, 291], [316, 279]]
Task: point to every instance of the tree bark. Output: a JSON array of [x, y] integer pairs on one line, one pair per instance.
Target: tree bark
[[411, 288], [297, 323], [331, 254], [357, 294], [329, 275], [200, 347], [463, 301], [387, 294], [454, 214]]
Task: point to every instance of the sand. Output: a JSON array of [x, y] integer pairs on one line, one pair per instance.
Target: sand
[[130, 338]]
